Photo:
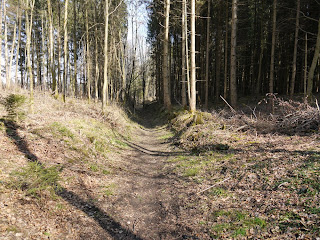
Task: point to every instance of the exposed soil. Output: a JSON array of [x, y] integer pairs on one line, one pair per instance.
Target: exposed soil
[[147, 200]]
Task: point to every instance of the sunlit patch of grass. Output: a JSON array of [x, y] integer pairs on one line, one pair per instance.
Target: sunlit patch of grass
[[106, 172], [218, 192], [191, 172], [94, 167], [179, 159], [235, 223], [166, 136], [61, 130], [13, 228], [60, 206], [108, 190]]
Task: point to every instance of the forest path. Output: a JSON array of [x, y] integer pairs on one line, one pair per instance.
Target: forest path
[[147, 202]]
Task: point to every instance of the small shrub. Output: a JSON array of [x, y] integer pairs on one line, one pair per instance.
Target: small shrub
[[36, 180], [13, 104]]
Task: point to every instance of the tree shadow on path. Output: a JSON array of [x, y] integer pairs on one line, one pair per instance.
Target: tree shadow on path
[[110, 225]]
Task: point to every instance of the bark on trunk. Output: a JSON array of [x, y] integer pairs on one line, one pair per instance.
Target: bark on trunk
[[183, 56], [207, 55], [193, 58], [273, 44], [314, 64], [233, 60], [165, 72], [294, 62], [65, 48], [105, 91]]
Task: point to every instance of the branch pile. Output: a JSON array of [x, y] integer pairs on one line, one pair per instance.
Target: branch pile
[[295, 117]]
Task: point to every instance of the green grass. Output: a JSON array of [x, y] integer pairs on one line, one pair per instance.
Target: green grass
[[94, 167], [235, 223], [191, 172], [106, 172], [218, 192], [109, 189], [13, 229], [166, 136], [60, 130]]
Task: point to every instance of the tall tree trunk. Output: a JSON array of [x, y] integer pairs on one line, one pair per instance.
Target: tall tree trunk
[[273, 45], [305, 72], [207, 56], [59, 49], [193, 58], [88, 56], [165, 71], [6, 56], [2, 7], [233, 60], [51, 52], [12, 52], [225, 88], [39, 56], [105, 91], [97, 72], [123, 66], [33, 59], [28, 32], [75, 68], [294, 62], [314, 64], [18, 45], [262, 47], [218, 53], [65, 45], [45, 79], [183, 55]]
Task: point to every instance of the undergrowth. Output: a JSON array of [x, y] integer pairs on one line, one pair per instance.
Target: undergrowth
[[36, 180], [234, 223], [14, 104]]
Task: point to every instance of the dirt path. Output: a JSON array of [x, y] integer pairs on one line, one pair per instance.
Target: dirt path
[[147, 201], [143, 199]]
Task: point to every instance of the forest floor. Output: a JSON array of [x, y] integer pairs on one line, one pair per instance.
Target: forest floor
[[70, 172]]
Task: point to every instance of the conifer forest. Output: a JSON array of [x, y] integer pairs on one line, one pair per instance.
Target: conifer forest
[[159, 119]]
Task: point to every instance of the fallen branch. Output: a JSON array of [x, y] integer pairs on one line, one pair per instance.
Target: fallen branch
[[213, 185], [232, 109]]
